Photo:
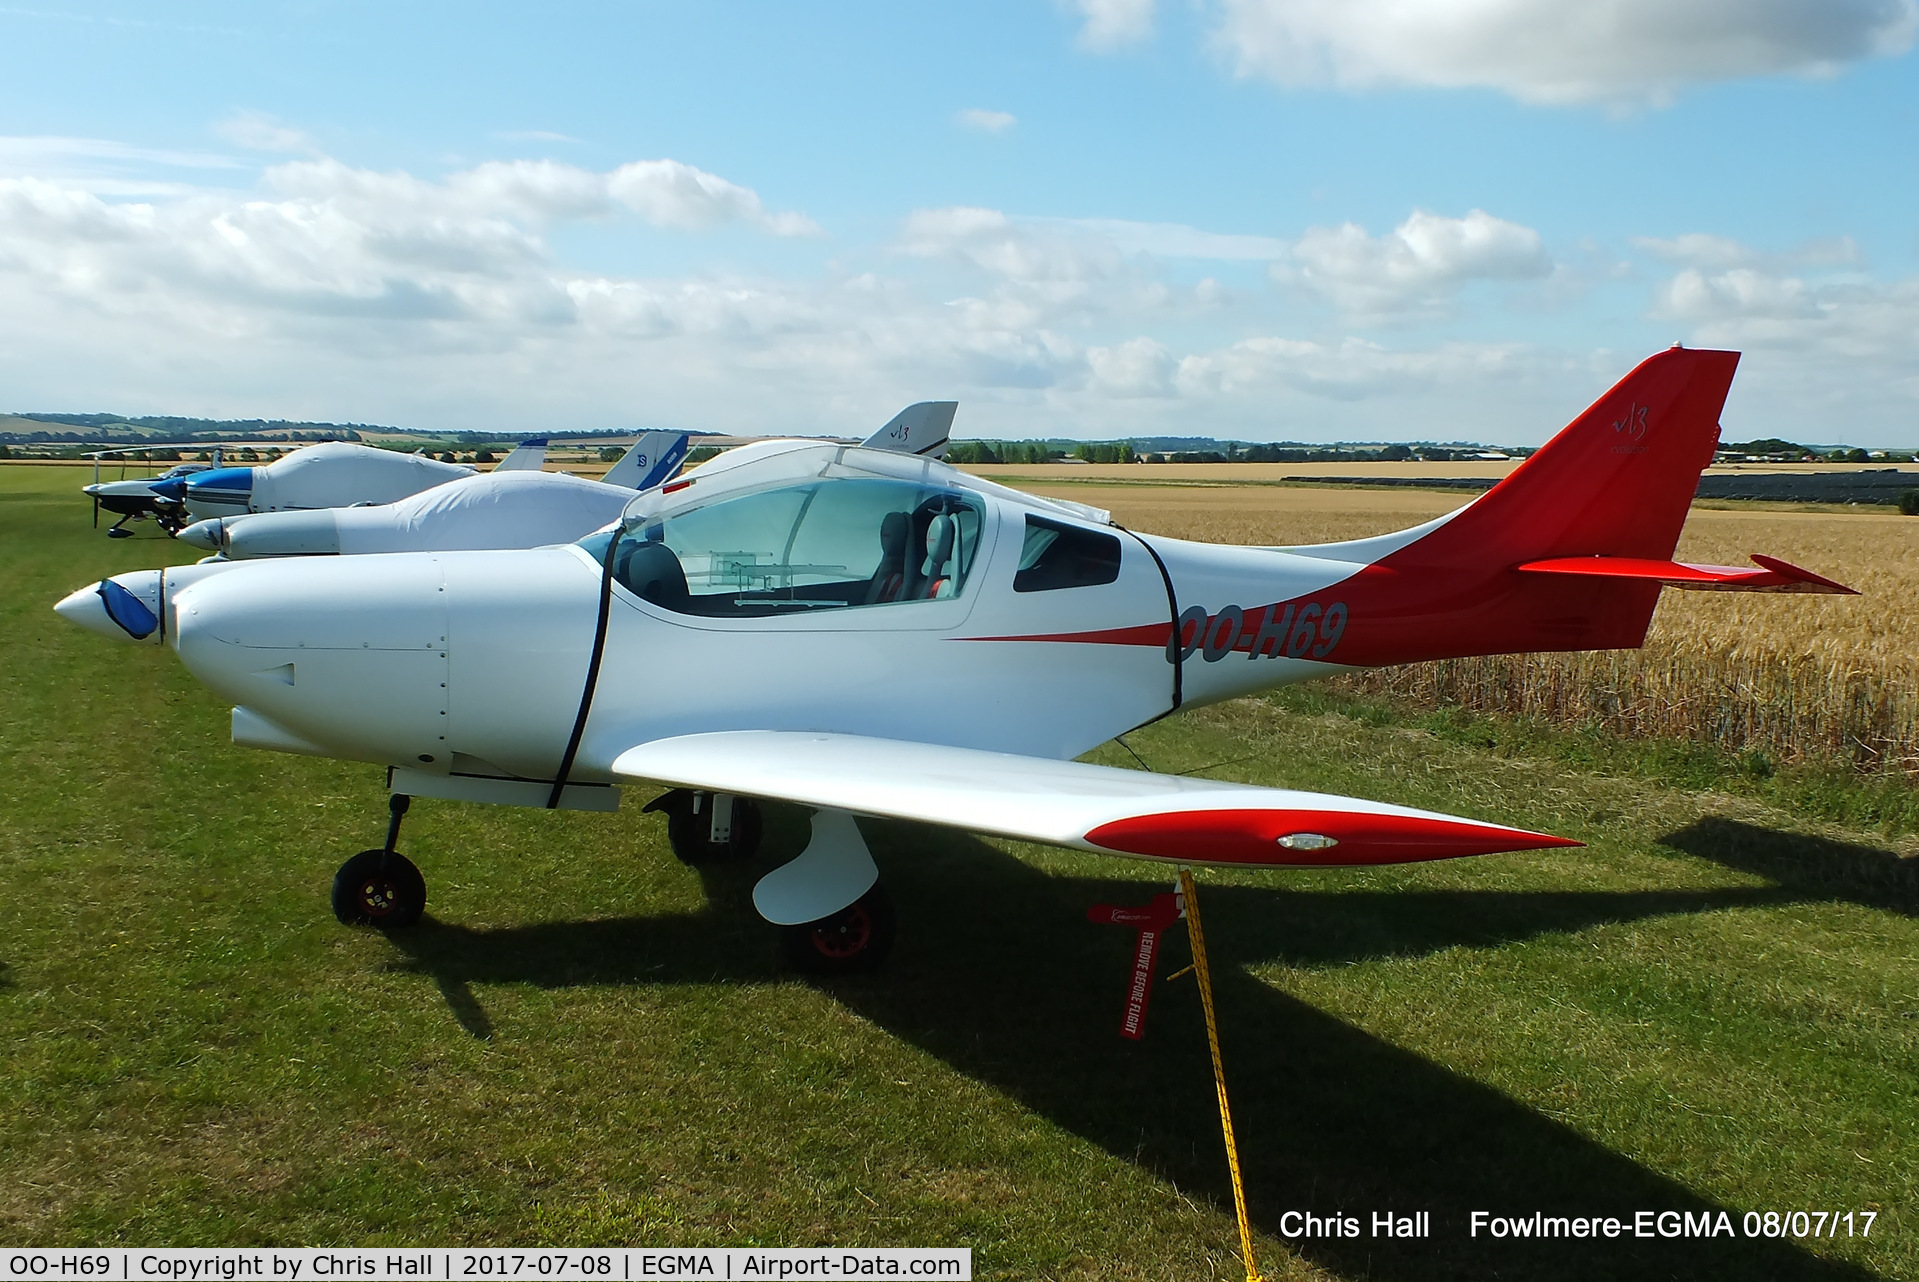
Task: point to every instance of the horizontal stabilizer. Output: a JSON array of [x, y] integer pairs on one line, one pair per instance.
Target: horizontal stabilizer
[[1773, 575], [1066, 803]]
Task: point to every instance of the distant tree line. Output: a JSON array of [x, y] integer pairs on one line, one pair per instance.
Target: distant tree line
[[1773, 450], [1225, 452]]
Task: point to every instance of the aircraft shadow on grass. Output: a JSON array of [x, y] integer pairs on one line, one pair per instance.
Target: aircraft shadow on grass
[[1818, 867], [999, 975]]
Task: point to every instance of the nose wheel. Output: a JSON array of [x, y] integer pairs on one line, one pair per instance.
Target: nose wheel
[[381, 887]]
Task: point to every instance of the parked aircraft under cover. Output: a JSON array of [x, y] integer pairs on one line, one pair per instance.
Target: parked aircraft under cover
[[497, 509], [330, 474]]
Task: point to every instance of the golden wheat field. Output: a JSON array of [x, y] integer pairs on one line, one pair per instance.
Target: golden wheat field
[[1793, 676]]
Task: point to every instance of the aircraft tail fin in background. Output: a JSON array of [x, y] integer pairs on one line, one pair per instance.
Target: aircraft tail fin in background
[[653, 460], [527, 456], [924, 429]]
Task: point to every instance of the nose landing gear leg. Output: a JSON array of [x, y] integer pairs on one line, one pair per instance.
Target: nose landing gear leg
[[381, 887]]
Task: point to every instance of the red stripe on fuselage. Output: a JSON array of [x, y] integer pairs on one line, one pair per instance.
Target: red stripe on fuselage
[[1140, 634]]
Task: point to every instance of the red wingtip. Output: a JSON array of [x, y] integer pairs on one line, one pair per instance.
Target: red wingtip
[[1312, 838]]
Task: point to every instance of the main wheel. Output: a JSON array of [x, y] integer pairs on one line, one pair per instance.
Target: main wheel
[[857, 938], [375, 888], [690, 833]]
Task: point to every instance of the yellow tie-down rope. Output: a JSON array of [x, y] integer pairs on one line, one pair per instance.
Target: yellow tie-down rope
[[1204, 975]]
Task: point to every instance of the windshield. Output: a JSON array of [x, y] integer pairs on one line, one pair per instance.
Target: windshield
[[823, 544]]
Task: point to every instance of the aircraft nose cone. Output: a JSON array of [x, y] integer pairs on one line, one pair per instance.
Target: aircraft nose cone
[[204, 535], [173, 491], [124, 607]]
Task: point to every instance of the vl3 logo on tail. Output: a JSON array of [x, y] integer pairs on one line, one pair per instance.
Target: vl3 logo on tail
[[1632, 429]]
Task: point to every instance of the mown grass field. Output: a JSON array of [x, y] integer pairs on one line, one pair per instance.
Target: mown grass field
[[1714, 1004]]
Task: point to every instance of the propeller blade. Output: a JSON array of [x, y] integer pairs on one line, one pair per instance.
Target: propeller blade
[[96, 511]]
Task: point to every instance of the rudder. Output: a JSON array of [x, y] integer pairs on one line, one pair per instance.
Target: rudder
[[1617, 480]]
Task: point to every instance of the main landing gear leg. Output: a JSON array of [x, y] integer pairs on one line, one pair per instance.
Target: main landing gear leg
[[709, 827], [381, 887], [835, 917]]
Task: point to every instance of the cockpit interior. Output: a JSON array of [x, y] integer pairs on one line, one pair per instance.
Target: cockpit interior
[[824, 543]]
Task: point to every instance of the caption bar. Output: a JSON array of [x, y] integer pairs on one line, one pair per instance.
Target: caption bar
[[576, 1264]]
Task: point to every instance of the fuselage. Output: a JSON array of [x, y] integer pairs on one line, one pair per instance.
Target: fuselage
[[476, 662], [137, 497]]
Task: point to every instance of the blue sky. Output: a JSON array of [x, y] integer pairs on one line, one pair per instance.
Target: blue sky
[[1371, 219]]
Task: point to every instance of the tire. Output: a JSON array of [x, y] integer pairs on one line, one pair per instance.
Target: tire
[[853, 941], [687, 832], [377, 889]]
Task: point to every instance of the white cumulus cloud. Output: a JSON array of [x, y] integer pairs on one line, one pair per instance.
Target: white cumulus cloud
[[668, 193], [328, 290], [1740, 292], [1107, 25], [1416, 265], [987, 122], [1022, 251], [1617, 52], [1136, 367], [323, 238]]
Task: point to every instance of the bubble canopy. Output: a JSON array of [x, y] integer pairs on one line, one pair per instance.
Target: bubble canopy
[[845, 539]]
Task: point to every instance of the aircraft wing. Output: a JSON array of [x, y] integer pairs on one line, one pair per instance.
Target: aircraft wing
[[652, 461], [527, 456], [918, 429], [1066, 803]]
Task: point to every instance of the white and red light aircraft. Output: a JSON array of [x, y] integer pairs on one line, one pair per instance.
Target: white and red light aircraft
[[902, 639]]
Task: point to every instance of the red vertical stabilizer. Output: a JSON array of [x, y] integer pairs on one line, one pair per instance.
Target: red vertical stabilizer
[[1617, 482]]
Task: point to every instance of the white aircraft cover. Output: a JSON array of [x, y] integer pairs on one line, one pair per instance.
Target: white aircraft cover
[[1065, 803], [339, 473], [497, 510]]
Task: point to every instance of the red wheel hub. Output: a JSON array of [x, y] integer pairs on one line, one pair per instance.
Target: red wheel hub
[[846, 935], [378, 896]]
